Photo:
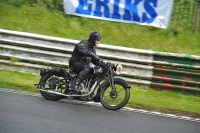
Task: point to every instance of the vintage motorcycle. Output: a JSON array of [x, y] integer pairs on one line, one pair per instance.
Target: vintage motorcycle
[[99, 85]]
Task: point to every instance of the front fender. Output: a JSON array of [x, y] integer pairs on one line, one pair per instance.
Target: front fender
[[124, 82]]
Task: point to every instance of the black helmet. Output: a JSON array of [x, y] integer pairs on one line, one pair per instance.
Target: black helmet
[[94, 36]]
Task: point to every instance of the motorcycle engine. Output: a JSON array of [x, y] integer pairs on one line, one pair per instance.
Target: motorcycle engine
[[97, 70], [83, 89]]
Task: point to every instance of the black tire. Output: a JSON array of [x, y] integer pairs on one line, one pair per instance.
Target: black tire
[[114, 103], [44, 81]]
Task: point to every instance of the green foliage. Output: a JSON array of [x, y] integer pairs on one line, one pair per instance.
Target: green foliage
[[52, 5], [16, 3]]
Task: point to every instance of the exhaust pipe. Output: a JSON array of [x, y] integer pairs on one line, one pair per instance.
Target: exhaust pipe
[[61, 94]]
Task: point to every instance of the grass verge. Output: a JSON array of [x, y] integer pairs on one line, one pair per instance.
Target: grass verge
[[162, 101]]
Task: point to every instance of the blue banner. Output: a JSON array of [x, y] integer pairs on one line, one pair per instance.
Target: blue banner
[[144, 12]]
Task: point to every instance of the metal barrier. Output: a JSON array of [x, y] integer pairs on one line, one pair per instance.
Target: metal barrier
[[29, 52], [176, 72]]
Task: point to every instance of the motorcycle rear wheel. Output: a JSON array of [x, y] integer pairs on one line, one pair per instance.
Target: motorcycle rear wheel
[[114, 100], [49, 82]]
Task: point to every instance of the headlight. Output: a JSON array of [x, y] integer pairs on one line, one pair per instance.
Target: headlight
[[118, 69]]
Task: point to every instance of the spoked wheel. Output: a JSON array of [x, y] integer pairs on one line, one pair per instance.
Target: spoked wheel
[[114, 99], [52, 83]]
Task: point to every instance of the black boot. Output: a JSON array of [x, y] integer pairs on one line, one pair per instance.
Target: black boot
[[86, 69], [76, 87]]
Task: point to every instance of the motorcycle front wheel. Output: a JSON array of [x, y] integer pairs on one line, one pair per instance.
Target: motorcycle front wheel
[[114, 99]]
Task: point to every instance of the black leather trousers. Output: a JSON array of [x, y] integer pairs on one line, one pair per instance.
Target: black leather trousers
[[81, 68]]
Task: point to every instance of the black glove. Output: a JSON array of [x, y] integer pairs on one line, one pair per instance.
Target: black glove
[[101, 63], [96, 57], [114, 67]]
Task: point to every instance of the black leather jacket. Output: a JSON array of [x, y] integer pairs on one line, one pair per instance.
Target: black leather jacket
[[84, 51]]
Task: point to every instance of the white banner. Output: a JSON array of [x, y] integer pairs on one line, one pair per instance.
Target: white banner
[[144, 12]]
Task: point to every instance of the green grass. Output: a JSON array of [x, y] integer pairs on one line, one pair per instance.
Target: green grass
[[162, 101], [18, 80], [36, 18]]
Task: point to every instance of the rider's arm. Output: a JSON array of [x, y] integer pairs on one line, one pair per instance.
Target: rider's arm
[[95, 61], [82, 48]]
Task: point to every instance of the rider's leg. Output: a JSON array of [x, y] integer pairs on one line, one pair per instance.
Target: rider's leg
[[86, 69]]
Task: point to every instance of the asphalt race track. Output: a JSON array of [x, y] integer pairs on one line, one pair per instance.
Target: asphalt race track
[[31, 113]]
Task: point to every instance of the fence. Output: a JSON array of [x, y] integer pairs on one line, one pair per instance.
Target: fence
[[144, 68], [197, 25], [186, 15]]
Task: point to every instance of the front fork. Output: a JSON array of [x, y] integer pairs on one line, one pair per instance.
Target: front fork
[[113, 93]]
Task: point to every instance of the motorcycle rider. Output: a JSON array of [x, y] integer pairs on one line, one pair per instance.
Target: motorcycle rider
[[84, 52]]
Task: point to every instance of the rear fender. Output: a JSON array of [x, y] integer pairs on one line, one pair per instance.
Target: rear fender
[[61, 72], [54, 70]]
